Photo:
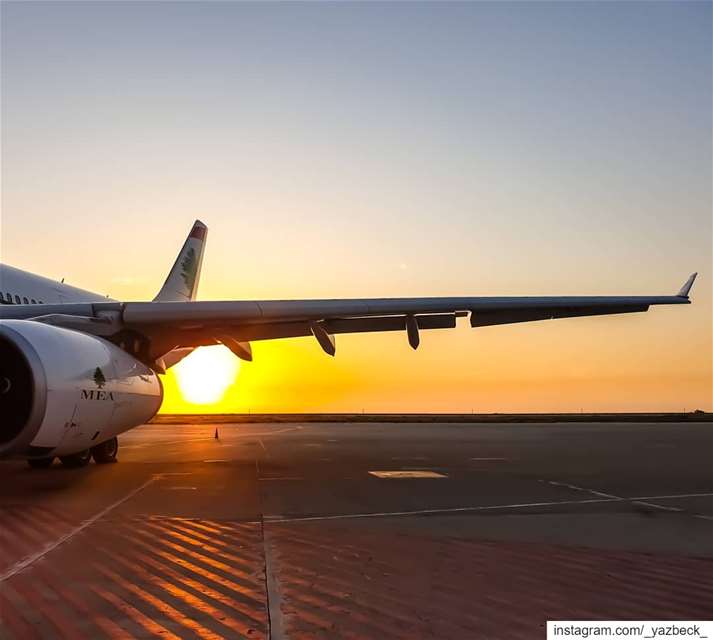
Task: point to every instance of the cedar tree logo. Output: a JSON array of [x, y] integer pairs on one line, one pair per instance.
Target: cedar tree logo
[[99, 378], [189, 266]]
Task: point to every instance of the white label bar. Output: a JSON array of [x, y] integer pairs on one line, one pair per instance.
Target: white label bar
[[647, 629]]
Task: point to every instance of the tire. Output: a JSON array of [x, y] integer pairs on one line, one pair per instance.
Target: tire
[[105, 453], [79, 459], [40, 463]]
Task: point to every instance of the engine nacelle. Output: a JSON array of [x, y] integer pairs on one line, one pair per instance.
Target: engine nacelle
[[63, 391]]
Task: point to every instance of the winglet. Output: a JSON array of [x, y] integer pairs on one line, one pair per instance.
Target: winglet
[[182, 282], [686, 288]]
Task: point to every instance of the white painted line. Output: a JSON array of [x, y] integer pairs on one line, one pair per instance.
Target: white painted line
[[181, 488], [216, 460], [675, 496], [641, 502], [475, 509], [264, 448], [418, 512], [400, 475], [655, 506], [26, 562], [601, 494]]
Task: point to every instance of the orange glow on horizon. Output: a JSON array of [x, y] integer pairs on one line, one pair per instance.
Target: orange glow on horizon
[[589, 365]]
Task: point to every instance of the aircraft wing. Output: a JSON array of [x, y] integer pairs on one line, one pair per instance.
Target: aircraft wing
[[167, 326]]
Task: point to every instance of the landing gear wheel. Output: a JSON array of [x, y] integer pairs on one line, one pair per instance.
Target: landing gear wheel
[[105, 452], [40, 463], [80, 459]]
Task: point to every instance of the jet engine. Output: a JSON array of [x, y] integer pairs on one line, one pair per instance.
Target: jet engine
[[62, 391]]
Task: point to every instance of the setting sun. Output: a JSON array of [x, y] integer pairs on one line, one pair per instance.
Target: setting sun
[[204, 376]]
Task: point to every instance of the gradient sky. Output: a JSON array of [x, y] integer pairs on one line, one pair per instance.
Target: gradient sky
[[363, 149]]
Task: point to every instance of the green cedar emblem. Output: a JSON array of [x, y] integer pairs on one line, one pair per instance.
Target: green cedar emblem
[[189, 266], [99, 378]]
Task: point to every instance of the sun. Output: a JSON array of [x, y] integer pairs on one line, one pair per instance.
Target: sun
[[204, 376]]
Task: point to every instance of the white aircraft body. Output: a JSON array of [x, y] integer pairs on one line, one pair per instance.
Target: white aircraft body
[[78, 368]]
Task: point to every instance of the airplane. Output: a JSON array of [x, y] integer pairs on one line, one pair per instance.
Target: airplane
[[77, 368]]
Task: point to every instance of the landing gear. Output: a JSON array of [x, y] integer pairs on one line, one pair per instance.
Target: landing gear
[[105, 452], [80, 459], [40, 463]]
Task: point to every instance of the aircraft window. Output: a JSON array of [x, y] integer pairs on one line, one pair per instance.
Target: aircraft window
[[17, 299], [25, 300]]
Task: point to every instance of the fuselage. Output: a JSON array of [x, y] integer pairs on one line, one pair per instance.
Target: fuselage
[[21, 287]]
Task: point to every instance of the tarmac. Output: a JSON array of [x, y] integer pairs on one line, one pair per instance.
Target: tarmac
[[370, 530]]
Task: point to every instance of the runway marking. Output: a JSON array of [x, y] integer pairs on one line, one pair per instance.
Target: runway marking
[[26, 562], [181, 488], [264, 448], [473, 509], [641, 503], [217, 460], [655, 506], [601, 494], [400, 475]]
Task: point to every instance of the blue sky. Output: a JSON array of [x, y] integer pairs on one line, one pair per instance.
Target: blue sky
[[343, 149]]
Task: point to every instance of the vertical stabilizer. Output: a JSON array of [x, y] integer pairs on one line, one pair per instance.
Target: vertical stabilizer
[[182, 282]]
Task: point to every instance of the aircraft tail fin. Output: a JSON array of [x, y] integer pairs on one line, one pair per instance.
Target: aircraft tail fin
[[182, 282]]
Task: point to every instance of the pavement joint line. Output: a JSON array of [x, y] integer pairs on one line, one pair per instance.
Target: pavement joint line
[[273, 600], [276, 626], [383, 514], [29, 560]]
